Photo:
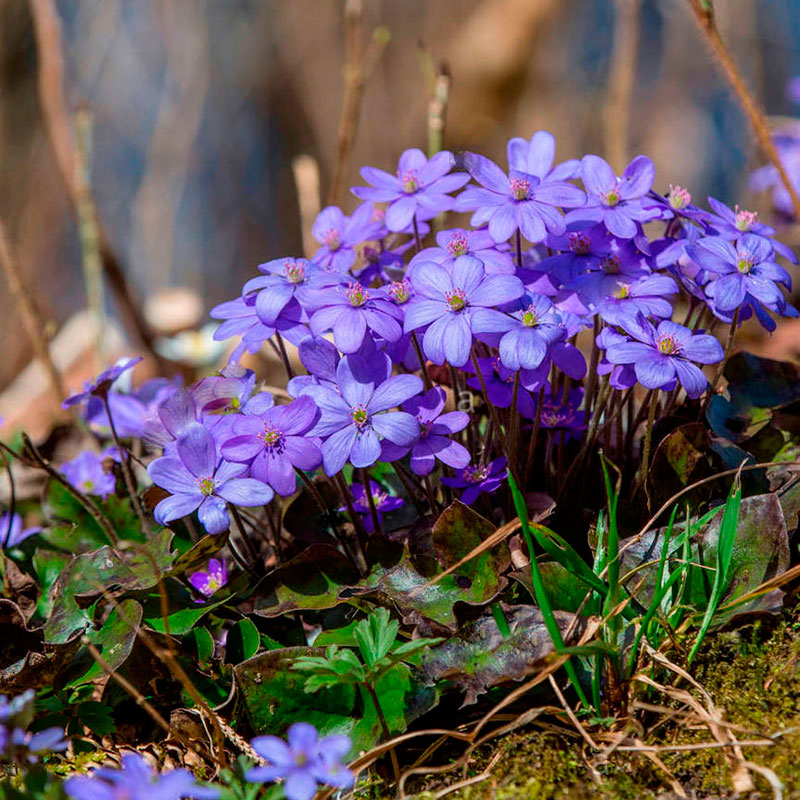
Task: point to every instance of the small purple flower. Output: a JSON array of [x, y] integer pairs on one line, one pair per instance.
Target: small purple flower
[[500, 381], [517, 201], [619, 203], [129, 411], [484, 478], [85, 472], [304, 762], [352, 423], [447, 302], [101, 385], [731, 223], [435, 429], [746, 268], [646, 295], [136, 780], [351, 312], [17, 745], [384, 503], [12, 533], [198, 481], [660, 355], [459, 242], [339, 235], [535, 157], [420, 188], [565, 419], [207, 582], [274, 443]]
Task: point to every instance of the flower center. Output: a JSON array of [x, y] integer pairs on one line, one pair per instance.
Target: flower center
[[745, 263], [622, 291], [458, 246], [745, 219], [551, 419], [379, 497], [610, 265], [456, 299], [295, 273], [476, 474], [410, 181], [359, 416], [357, 295], [530, 319], [579, 244], [610, 198], [520, 188], [678, 198], [205, 485], [87, 486], [424, 428], [331, 239], [400, 291], [212, 584], [272, 437], [668, 346]]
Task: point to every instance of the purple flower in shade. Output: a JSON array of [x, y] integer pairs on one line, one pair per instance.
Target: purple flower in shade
[[16, 743], [619, 203], [85, 472], [352, 423], [274, 443], [209, 581], [746, 271], [564, 418], [420, 188], [447, 302], [517, 201], [435, 429], [304, 762], [661, 355], [500, 380], [577, 251], [527, 332], [646, 295], [12, 533], [129, 411], [226, 392], [351, 312], [484, 478], [101, 385], [198, 481], [339, 235], [384, 503], [459, 242], [136, 780]]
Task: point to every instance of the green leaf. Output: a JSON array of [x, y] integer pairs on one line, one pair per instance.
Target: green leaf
[[200, 644], [242, 642], [97, 717], [375, 636]]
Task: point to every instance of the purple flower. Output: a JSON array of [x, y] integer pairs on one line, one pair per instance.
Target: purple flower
[[136, 780], [517, 201], [274, 443], [420, 188], [198, 481], [353, 422], [339, 235], [209, 581], [731, 223], [619, 203], [459, 242], [661, 355], [484, 478], [16, 743], [129, 411], [353, 311], [447, 302], [101, 385], [746, 269], [629, 298], [12, 533], [500, 380], [304, 762], [85, 472], [535, 157], [566, 419], [435, 429], [384, 503]]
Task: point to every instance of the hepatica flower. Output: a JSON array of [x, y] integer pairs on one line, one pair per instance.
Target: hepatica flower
[[85, 472], [208, 581], [384, 503], [355, 419], [304, 762], [447, 302], [477, 480], [12, 533], [420, 189], [136, 780], [517, 201], [661, 355], [274, 443], [646, 295], [460, 242], [198, 481], [17, 744], [339, 235], [435, 429], [100, 386]]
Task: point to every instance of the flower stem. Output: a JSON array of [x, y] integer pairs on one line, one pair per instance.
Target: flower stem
[[373, 511], [648, 437], [534, 435], [358, 525], [519, 248], [426, 379], [287, 364], [384, 727]]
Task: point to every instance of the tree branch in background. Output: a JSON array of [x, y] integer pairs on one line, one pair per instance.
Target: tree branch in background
[[31, 318], [622, 79], [439, 81], [357, 71], [58, 126], [703, 13], [306, 179]]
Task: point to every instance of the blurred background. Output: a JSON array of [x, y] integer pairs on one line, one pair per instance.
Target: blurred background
[[189, 125]]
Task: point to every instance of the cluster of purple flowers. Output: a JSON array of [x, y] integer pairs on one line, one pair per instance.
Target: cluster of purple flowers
[[17, 744], [556, 250]]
